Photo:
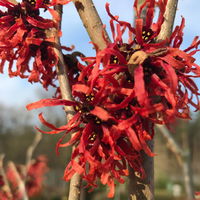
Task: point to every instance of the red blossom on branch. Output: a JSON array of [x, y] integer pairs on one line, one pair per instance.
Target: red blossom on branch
[[163, 79], [122, 93], [197, 195], [35, 175], [105, 139], [26, 41], [33, 179]]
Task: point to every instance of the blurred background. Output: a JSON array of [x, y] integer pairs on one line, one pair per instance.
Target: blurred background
[[17, 124]]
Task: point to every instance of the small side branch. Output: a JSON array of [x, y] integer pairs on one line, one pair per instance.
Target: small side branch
[[172, 145], [20, 182], [94, 27], [32, 147], [183, 158], [169, 15], [61, 68], [6, 187], [91, 22]]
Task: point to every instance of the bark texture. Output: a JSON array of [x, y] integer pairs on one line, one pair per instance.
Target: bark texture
[[169, 15], [61, 68], [94, 27], [183, 159], [91, 22], [143, 189]]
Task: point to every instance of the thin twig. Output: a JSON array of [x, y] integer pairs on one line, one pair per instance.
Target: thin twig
[[169, 15], [61, 68], [13, 1], [183, 158], [94, 27], [91, 22], [20, 182], [31, 149], [171, 143], [6, 186]]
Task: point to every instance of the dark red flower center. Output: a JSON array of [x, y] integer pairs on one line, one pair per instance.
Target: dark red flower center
[[33, 2], [146, 35], [1, 181]]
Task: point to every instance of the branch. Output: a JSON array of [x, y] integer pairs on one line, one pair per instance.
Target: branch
[[31, 149], [169, 15], [13, 1], [94, 27], [61, 68], [171, 143], [183, 158], [91, 22], [20, 182], [6, 186], [143, 189]]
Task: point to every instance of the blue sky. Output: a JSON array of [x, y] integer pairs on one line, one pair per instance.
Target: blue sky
[[18, 92]]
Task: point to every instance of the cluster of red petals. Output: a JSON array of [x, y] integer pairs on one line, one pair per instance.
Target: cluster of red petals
[[35, 176], [25, 41], [197, 195], [163, 84], [33, 179], [115, 109]]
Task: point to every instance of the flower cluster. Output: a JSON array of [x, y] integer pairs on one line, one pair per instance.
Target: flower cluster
[[121, 94], [26, 41], [35, 176], [33, 180]]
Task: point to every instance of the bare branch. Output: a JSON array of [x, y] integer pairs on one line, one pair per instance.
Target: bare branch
[[6, 186], [94, 27], [183, 158], [143, 189], [91, 22], [20, 182], [32, 147], [13, 1], [61, 68], [170, 14], [171, 143]]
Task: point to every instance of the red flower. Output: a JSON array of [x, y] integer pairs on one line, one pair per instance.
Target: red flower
[[120, 96], [162, 80], [105, 139], [35, 176], [33, 179], [23, 36], [1, 181]]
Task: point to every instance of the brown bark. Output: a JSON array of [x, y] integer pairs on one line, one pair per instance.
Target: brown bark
[[6, 187], [94, 27], [169, 15], [183, 158], [20, 183], [61, 68], [143, 189], [32, 147], [91, 22]]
